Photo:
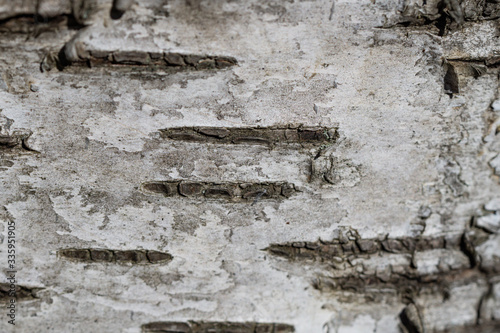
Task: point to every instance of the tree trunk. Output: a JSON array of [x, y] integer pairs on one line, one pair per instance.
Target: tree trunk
[[250, 166]]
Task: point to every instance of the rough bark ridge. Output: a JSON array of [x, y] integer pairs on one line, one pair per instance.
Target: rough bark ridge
[[251, 166]]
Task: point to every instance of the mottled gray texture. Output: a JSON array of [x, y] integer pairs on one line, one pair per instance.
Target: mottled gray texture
[[412, 160]]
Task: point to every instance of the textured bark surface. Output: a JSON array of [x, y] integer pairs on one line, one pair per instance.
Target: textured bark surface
[[251, 166]]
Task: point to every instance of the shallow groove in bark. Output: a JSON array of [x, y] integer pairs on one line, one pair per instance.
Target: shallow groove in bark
[[22, 293], [223, 190], [117, 60], [253, 135], [446, 14], [323, 251], [116, 256], [216, 327], [407, 284]]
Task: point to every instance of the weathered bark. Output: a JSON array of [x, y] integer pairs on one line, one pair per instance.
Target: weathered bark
[[250, 166]]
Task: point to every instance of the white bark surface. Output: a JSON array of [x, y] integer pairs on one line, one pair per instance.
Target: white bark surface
[[412, 160]]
